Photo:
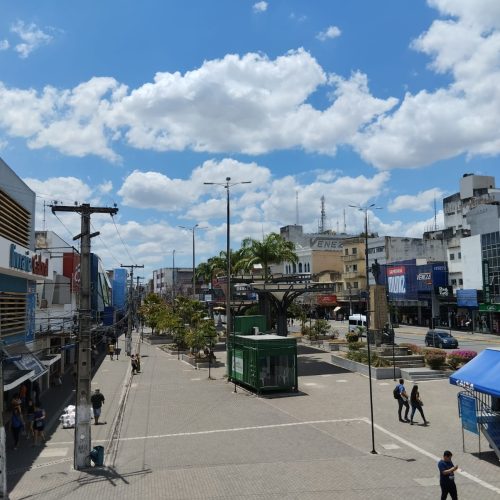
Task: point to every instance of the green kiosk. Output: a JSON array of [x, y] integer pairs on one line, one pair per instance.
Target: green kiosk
[[263, 363]]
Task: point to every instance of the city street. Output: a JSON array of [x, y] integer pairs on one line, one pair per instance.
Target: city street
[[182, 436]]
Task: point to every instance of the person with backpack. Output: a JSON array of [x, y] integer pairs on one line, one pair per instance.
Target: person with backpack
[[401, 396]]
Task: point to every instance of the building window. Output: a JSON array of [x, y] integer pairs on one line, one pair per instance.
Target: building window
[[354, 267], [300, 267], [459, 255], [354, 251], [346, 251], [452, 256], [355, 284], [454, 282], [460, 281]]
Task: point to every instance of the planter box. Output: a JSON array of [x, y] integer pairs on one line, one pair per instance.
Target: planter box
[[174, 351], [332, 346], [312, 343], [354, 366], [160, 339], [197, 364]]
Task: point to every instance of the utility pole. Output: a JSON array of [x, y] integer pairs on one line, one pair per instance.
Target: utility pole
[[82, 436], [128, 341]]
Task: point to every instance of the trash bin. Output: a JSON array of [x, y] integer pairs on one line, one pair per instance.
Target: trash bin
[[97, 455]]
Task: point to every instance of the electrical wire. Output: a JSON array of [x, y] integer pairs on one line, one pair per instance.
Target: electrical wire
[[123, 243], [105, 246]]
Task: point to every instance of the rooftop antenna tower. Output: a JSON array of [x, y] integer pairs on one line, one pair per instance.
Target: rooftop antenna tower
[[435, 215], [296, 208], [322, 223]]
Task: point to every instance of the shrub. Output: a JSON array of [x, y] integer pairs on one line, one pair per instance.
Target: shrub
[[413, 348], [355, 346], [351, 337], [362, 357], [461, 357], [335, 334], [435, 358]]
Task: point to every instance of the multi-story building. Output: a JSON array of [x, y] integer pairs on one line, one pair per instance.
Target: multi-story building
[[169, 281], [20, 268]]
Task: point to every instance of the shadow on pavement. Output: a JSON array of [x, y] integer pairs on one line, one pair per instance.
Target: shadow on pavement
[[309, 366], [488, 456], [109, 474]]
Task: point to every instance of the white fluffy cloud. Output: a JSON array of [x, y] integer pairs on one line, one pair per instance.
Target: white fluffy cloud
[[259, 7], [421, 202], [31, 37], [252, 104], [4, 44], [329, 33], [461, 118], [248, 104]]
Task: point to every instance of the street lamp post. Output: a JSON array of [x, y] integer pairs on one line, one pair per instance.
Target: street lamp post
[[365, 211], [192, 229], [227, 185]]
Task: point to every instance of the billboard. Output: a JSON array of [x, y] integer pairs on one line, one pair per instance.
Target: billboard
[[119, 288], [71, 269], [408, 281], [467, 298]]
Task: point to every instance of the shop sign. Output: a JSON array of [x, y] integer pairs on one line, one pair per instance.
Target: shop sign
[[489, 308], [486, 281], [444, 291], [467, 298], [324, 243], [468, 413], [424, 277], [27, 263], [326, 300]]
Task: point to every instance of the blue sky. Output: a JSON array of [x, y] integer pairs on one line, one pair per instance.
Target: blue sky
[[139, 103]]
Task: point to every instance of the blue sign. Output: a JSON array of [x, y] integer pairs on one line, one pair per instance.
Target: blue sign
[[468, 413], [467, 298]]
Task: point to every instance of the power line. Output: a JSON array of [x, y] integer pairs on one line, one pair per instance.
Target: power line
[[123, 243], [105, 246]]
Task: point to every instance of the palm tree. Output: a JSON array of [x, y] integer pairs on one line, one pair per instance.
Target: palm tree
[[273, 249]]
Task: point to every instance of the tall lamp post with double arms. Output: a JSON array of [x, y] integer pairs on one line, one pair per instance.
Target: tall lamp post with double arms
[[192, 229], [227, 185], [365, 211]]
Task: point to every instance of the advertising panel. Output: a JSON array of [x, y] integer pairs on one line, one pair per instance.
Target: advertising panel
[[326, 300], [30, 313], [396, 281], [71, 269], [119, 288], [468, 413], [467, 298]]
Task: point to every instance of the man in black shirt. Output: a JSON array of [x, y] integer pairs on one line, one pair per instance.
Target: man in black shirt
[[97, 400], [447, 476]]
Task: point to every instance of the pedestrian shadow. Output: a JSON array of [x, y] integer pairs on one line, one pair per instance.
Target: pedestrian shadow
[[110, 475]]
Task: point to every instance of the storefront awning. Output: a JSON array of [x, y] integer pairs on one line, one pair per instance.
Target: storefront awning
[[26, 361], [338, 308], [481, 373], [14, 377], [50, 359]]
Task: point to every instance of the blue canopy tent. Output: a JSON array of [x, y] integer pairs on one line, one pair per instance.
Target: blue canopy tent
[[481, 374]]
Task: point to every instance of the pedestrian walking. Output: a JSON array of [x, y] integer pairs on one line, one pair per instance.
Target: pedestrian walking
[[30, 416], [16, 425], [39, 424], [447, 476], [416, 404], [401, 395], [35, 387], [111, 351], [133, 362], [97, 400]]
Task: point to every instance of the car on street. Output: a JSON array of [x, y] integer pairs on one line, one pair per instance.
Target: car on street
[[441, 339]]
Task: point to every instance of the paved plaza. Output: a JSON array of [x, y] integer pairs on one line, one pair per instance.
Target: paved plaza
[[172, 433]]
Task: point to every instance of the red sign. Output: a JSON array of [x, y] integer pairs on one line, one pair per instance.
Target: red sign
[[395, 271], [40, 267], [71, 269], [326, 300]]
